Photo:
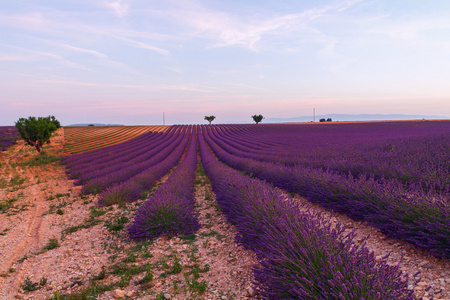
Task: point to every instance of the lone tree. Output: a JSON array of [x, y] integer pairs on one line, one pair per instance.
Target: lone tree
[[36, 132], [209, 119], [257, 118]]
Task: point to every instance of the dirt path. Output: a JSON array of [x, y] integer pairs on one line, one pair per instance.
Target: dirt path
[[21, 221]]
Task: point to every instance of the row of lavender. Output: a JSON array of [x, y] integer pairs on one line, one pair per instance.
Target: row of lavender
[[171, 209], [415, 153], [405, 212], [121, 173], [8, 136], [301, 255]]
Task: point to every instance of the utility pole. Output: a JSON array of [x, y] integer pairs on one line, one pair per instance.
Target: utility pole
[[164, 118], [314, 115]]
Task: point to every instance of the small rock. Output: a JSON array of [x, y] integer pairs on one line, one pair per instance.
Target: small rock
[[379, 257], [251, 292], [131, 293], [167, 296], [424, 263], [428, 266], [119, 293], [19, 296], [422, 283]]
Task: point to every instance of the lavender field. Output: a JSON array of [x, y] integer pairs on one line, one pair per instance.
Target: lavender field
[[393, 175], [8, 136]]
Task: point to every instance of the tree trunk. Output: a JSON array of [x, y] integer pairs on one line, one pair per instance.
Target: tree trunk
[[38, 147]]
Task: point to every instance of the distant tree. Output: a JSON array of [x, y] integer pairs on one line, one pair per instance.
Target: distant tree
[[210, 119], [257, 118], [322, 120], [36, 131], [91, 125], [329, 120]]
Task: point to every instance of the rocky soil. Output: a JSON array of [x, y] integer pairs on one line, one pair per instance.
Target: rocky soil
[[55, 242]]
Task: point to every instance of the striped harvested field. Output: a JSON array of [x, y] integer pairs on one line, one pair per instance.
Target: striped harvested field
[[85, 138]]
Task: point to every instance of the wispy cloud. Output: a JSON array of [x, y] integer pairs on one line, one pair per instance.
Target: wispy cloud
[[120, 7], [410, 29], [143, 45], [127, 86], [56, 58], [225, 29], [65, 26], [8, 57], [78, 49], [248, 87], [30, 21]]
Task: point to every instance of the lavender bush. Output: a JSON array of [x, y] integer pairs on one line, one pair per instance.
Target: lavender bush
[[407, 154], [131, 189], [110, 152], [8, 136], [152, 153], [98, 160], [171, 210], [405, 212], [301, 255], [106, 158], [128, 172]]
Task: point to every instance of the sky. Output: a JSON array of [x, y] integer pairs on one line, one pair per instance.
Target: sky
[[132, 61]]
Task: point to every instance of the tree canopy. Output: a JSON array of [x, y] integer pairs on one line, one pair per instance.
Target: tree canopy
[[257, 118], [210, 119], [36, 131]]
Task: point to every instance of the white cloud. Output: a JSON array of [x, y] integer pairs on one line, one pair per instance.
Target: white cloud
[[58, 59], [225, 29], [127, 86], [93, 52], [120, 7], [26, 20], [8, 57], [410, 29], [143, 45]]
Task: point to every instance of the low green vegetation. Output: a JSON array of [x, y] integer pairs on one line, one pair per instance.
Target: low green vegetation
[[29, 286], [117, 223], [52, 244], [43, 159], [6, 205]]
